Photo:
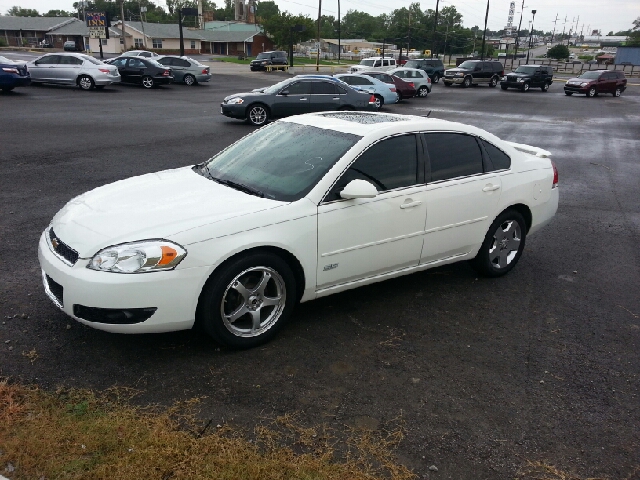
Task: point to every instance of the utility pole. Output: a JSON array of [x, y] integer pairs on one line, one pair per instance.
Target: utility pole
[[339, 44], [434, 48], [124, 38], [563, 26], [318, 39], [144, 37], [554, 28], [515, 53], [531, 35], [484, 33]]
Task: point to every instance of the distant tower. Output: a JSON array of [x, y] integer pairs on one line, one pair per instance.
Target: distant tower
[[509, 28], [240, 11], [251, 11]]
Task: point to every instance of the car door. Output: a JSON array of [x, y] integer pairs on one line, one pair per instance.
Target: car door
[[294, 99], [607, 83], [462, 200], [324, 96], [121, 65], [135, 69], [359, 238], [486, 73], [179, 67], [43, 68], [68, 69], [536, 81]]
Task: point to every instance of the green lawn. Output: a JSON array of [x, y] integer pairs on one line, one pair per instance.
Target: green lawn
[[296, 61]]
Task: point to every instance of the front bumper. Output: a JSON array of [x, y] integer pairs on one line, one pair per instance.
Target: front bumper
[[233, 110], [456, 80], [174, 293], [576, 88]]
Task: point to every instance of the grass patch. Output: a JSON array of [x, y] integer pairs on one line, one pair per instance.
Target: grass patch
[[74, 434], [543, 471], [296, 61]]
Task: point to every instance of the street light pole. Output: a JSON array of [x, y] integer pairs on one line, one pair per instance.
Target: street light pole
[[434, 47], [531, 35], [339, 44], [515, 54], [484, 33]]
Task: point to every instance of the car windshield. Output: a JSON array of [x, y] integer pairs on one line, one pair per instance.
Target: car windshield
[[277, 87], [367, 63], [527, 70], [590, 75], [467, 65], [282, 161], [262, 56]]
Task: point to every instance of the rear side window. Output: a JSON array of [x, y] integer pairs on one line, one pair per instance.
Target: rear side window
[[453, 155], [323, 88], [389, 164], [499, 159], [179, 62]]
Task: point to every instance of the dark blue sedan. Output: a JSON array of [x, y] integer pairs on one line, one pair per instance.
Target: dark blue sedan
[[13, 74]]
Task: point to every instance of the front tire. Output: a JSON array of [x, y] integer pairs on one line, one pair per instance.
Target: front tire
[[502, 246], [257, 115], [247, 301], [190, 80], [525, 87], [7, 89], [467, 82], [423, 91], [504, 87], [592, 92], [148, 82], [85, 82], [447, 84]]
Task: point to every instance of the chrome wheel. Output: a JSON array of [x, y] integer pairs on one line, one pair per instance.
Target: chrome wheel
[[147, 82], [525, 87], [506, 243], [617, 93], [253, 301], [189, 80], [493, 82], [545, 87], [435, 79], [592, 92], [85, 83], [467, 82], [257, 115], [379, 102], [423, 91]]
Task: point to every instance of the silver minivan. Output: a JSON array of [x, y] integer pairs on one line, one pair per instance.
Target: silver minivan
[[73, 69]]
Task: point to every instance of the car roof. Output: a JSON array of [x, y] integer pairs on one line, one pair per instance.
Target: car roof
[[321, 77], [383, 124], [408, 69]]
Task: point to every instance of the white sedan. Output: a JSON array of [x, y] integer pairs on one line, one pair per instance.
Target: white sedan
[[302, 208]]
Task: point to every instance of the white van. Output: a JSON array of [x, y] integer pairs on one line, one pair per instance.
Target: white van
[[373, 63]]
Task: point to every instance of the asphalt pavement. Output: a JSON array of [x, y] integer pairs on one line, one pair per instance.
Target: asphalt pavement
[[485, 374]]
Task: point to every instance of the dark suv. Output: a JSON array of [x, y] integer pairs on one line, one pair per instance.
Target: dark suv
[[274, 59], [597, 81], [432, 66], [528, 76], [474, 72]]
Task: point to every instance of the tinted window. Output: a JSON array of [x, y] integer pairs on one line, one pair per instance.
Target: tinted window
[[389, 164], [166, 61], [178, 62], [135, 63], [64, 60], [453, 155], [323, 88], [499, 159], [299, 88], [48, 60], [119, 62], [386, 78], [340, 90]]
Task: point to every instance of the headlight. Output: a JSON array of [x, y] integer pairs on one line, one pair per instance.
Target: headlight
[[460, 74], [265, 62], [138, 257], [584, 84], [235, 101], [504, 79]]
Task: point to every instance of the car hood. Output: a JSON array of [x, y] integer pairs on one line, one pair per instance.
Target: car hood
[[155, 205], [580, 80], [455, 70], [257, 93], [514, 74]]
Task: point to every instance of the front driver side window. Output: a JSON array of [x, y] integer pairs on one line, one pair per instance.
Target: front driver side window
[[299, 88], [389, 164]]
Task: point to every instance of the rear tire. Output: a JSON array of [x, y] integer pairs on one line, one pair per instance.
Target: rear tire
[[545, 87], [246, 302], [190, 80], [502, 246], [618, 92], [435, 79], [423, 91], [85, 82], [7, 89], [148, 82], [568, 94], [493, 82], [379, 102]]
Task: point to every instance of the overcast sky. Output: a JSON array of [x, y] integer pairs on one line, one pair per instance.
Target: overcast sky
[[617, 15]]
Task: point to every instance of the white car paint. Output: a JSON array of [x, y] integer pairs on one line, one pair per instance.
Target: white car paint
[[339, 245]]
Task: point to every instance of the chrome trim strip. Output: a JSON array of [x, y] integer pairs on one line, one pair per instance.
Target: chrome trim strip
[[47, 290]]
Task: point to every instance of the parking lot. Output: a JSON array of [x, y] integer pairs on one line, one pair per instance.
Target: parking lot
[[485, 374]]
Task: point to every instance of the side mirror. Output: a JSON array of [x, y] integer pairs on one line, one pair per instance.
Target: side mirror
[[359, 189]]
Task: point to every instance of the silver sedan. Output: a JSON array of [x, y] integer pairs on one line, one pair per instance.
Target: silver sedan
[[73, 69], [186, 69]]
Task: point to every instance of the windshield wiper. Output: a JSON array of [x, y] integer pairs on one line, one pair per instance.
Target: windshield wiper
[[238, 186]]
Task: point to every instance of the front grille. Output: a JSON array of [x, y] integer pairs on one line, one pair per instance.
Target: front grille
[[22, 71], [55, 289], [62, 249], [512, 78]]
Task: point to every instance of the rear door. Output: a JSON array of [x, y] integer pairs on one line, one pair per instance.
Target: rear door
[[68, 69], [324, 96]]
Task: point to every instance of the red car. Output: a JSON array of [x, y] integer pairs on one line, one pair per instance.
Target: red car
[[405, 89], [593, 82]]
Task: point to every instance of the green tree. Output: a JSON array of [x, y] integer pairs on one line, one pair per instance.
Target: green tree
[[558, 52], [633, 39], [58, 13], [266, 10], [22, 12], [279, 28]]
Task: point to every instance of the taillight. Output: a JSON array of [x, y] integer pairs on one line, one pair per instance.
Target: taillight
[[10, 69], [104, 70], [555, 175], [205, 71], [166, 73], [412, 85], [428, 79], [372, 99], [502, 73], [392, 89]]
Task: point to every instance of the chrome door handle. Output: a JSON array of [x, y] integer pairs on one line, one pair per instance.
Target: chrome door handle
[[303, 99], [491, 188], [410, 205], [336, 98]]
